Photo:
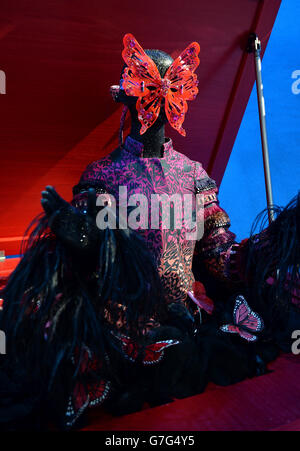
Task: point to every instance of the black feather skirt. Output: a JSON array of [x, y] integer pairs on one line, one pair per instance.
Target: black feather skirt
[[86, 332]]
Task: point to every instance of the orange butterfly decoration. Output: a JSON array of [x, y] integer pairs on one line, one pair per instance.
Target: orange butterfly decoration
[[142, 79]]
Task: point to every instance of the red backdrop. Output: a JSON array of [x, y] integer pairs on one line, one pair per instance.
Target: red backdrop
[[60, 57]]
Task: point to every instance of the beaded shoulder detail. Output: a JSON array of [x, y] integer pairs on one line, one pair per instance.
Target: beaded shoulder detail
[[205, 184]]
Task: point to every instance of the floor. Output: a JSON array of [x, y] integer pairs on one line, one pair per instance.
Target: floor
[[269, 402]]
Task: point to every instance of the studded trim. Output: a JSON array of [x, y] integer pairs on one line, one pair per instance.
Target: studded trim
[[217, 220], [210, 198], [205, 184], [84, 187]]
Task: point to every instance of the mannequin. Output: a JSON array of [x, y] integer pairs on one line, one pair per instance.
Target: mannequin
[[226, 267], [117, 315]]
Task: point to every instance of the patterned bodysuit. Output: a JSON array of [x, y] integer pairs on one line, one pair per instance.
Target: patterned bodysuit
[[174, 173]]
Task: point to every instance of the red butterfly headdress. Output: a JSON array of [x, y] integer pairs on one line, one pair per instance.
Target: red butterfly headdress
[[141, 79]]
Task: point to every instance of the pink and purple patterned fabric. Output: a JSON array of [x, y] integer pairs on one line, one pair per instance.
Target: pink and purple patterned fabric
[[174, 173]]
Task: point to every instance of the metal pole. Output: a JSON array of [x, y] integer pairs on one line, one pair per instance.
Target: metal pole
[[254, 46]]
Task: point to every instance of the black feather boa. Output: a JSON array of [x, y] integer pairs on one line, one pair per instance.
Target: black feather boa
[[54, 303], [273, 264]]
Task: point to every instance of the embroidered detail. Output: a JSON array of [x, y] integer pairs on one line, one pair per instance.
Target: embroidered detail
[[172, 252]]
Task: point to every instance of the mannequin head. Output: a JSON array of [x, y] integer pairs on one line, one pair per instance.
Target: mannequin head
[[157, 87], [162, 61]]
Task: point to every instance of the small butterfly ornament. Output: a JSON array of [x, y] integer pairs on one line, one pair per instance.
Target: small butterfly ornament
[[142, 79], [246, 322], [150, 354]]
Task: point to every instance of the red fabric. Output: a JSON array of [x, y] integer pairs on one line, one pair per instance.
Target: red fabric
[[6, 267], [293, 426], [263, 403]]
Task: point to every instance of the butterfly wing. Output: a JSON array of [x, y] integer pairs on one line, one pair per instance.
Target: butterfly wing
[[78, 401], [245, 317], [84, 395], [148, 108], [247, 335], [241, 310], [98, 392], [183, 85], [232, 329], [129, 347], [155, 352], [141, 79], [80, 396]]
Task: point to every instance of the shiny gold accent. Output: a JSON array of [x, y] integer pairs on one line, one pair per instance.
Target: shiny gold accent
[[209, 198]]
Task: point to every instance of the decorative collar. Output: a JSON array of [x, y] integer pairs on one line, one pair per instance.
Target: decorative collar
[[136, 147]]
